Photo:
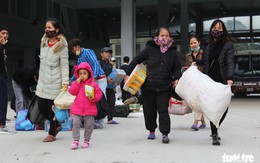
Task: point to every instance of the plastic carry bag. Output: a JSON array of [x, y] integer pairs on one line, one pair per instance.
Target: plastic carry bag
[[64, 100], [177, 107], [203, 94], [136, 79], [34, 114], [61, 115], [22, 123]]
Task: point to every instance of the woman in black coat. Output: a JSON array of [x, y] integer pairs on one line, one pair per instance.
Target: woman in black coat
[[163, 71], [219, 63]]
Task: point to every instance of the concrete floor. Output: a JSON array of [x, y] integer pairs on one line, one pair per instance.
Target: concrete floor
[[127, 142]]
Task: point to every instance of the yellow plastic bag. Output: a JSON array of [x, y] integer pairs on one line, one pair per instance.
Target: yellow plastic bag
[[136, 79], [64, 100], [89, 91]]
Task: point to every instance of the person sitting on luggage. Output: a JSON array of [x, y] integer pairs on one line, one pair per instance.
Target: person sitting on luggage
[[23, 80], [84, 108]]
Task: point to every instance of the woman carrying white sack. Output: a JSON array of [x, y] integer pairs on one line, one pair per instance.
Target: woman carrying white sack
[[219, 63]]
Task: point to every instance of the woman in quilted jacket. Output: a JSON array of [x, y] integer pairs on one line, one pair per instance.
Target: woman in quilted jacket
[[163, 72], [53, 72], [219, 63], [84, 108]]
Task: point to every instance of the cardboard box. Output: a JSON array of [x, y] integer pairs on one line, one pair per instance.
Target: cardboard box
[[117, 76], [134, 107]]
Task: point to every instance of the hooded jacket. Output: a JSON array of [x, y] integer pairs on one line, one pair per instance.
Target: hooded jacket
[[82, 105], [54, 68], [158, 69]]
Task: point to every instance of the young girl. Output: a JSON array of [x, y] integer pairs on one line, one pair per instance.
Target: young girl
[[84, 107], [195, 58]]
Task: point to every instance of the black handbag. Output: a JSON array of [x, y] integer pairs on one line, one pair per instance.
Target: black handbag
[[34, 114], [102, 107]]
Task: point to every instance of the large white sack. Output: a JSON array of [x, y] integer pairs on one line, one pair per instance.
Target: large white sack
[[203, 94]]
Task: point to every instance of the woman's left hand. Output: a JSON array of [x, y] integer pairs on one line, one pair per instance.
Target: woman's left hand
[[64, 86], [174, 83], [230, 82]]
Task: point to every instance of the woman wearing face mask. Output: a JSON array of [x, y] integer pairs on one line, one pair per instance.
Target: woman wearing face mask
[[163, 71], [219, 63], [53, 72], [194, 58]]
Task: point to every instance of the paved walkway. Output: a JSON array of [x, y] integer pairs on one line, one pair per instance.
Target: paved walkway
[[127, 143]]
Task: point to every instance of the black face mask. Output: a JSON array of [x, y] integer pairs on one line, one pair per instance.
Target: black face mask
[[217, 34], [50, 34]]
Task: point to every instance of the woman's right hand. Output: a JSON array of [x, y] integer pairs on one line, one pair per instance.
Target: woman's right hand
[[193, 64], [126, 78]]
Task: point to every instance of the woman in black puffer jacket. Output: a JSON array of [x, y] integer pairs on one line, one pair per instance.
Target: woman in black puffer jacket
[[163, 71], [219, 63]]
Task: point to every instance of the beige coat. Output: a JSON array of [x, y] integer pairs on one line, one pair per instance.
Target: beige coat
[[54, 68]]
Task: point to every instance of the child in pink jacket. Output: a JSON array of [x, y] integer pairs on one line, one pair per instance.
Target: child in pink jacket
[[84, 106]]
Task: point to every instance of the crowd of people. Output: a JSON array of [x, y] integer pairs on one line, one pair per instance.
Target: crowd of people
[[216, 59]]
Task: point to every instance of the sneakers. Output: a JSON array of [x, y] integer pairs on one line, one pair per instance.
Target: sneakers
[[98, 124], [151, 135], [202, 126], [219, 138], [112, 122], [6, 131], [215, 140], [165, 139], [74, 145], [85, 144], [194, 127]]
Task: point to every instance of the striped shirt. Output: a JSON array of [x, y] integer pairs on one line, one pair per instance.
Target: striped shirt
[[88, 55]]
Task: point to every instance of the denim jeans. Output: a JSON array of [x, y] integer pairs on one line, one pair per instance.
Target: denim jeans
[[21, 101]]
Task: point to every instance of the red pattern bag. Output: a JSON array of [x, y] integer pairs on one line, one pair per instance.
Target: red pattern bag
[[177, 107]]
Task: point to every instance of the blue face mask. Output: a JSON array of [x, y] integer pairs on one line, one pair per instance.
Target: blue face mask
[[195, 50]]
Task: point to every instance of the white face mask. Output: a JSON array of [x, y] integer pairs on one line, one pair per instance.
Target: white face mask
[[78, 52]]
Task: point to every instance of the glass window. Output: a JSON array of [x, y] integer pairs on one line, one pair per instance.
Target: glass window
[[207, 24], [192, 27], [175, 28], [242, 65], [24, 9], [4, 6], [56, 11], [229, 23], [256, 22], [41, 10], [242, 23]]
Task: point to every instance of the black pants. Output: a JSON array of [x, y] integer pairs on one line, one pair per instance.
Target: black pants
[[153, 102], [45, 107], [214, 129], [125, 95], [111, 99], [3, 99]]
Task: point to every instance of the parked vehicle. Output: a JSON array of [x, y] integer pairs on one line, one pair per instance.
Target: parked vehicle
[[247, 73]]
